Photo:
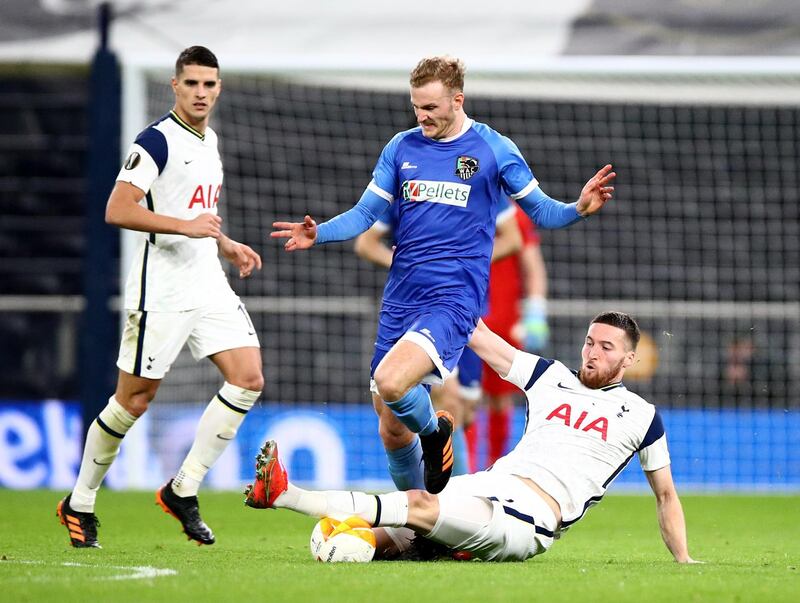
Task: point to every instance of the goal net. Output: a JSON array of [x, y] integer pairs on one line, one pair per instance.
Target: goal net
[[701, 243]]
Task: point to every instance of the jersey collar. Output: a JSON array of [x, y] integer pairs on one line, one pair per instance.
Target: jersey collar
[[185, 126], [465, 126], [605, 388]]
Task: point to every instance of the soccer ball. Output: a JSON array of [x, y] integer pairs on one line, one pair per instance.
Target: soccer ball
[[333, 541]]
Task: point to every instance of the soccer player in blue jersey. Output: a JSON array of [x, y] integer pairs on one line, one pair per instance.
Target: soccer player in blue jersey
[[449, 174], [457, 395]]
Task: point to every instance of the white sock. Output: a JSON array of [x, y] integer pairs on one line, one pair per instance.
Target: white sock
[[217, 427], [377, 510], [103, 440]]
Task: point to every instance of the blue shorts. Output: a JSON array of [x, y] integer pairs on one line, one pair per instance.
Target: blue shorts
[[442, 331], [470, 371]]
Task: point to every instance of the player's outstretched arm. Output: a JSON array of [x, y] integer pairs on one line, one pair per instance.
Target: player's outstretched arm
[[123, 210], [343, 227], [671, 520], [301, 235], [240, 255], [596, 192], [492, 349]]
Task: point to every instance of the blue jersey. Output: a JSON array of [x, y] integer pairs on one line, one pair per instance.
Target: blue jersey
[[448, 194]]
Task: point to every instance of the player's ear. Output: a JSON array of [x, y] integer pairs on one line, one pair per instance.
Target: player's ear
[[629, 359], [458, 100]]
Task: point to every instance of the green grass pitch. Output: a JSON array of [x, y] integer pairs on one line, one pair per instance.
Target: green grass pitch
[[751, 545]]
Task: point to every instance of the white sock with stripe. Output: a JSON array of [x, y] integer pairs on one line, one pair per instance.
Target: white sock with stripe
[[377, 510], [103, 440], [217, 427]]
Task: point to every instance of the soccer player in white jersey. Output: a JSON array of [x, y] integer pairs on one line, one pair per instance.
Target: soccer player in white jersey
[[582, 429], [177, 293]]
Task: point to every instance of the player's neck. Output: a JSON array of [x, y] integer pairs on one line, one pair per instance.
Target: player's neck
[[456, 129], [199, 125]]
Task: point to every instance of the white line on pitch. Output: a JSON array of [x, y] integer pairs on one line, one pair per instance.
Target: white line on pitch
[[138, 572]]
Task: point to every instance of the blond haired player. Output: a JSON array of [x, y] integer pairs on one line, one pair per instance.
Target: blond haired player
[[582, 429], [176, 294]]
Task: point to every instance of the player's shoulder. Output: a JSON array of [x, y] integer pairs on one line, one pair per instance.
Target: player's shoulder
[[405, 136], [536, 370], [499, 143], [158, 126], [153, 139]]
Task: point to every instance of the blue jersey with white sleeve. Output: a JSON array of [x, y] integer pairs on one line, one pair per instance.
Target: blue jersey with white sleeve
[[448, 193]]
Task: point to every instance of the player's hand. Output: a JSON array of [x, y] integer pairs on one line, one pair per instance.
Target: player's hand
[[204, 225], [301, 235], [240, 255], [596, 192], [532, 331]]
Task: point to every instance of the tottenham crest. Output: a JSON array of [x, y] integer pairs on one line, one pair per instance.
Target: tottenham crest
[[466, 167]]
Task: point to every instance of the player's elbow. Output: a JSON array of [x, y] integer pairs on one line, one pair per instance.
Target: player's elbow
[[113, 216]]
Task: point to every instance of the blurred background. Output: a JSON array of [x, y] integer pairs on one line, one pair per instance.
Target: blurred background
[[696, 104]]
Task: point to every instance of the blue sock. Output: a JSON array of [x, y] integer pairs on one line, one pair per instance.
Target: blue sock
[[460, 466], [415, 410], [405, 466]]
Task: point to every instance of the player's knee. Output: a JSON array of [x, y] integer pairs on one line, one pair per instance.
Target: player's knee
[[254, 382], [137, 403], [423, 509], [390, 387]]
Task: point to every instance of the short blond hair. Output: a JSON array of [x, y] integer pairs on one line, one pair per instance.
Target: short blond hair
[[446, 69]]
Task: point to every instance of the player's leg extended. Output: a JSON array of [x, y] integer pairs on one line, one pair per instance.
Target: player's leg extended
[[103, 439], [241, 369], [402, 446], [397, 378], [456, 518]]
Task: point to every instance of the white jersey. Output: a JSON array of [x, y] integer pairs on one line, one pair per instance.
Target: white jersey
[[578, 439], [181, 173]]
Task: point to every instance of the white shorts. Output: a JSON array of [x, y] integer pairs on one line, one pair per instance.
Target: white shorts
[[522, 524], [152, 340]]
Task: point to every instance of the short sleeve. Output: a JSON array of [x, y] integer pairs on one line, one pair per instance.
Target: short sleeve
[[139, 168], [653, 451], [655, 456], [146, 159], [526, 369]]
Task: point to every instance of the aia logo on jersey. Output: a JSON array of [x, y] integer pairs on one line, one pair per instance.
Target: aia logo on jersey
[[466, 167], [564, 413], [202, 196]]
